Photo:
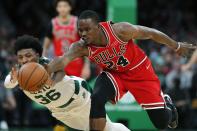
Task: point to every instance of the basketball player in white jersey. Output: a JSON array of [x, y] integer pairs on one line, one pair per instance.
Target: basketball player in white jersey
[[69, 97]]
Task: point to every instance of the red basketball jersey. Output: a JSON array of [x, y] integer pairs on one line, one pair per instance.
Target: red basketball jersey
[[118, 56], [63, 37]]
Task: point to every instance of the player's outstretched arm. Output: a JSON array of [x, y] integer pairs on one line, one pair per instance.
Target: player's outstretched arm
[[77, 49], [128, 31]]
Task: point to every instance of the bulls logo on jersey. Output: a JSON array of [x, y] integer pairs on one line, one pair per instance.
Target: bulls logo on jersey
[[117, 55]]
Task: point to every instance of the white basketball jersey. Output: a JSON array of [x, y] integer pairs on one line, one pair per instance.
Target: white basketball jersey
[[58, 95], [69, 101]]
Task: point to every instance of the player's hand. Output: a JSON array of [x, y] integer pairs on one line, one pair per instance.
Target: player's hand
[[185, 49], [13, 74]]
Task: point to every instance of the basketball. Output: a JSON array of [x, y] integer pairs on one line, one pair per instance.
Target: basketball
[[31, 76]]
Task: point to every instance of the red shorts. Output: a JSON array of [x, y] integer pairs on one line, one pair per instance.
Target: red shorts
[[141, 82]]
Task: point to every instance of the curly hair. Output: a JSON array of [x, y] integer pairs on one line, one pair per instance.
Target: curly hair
[[28, 42]]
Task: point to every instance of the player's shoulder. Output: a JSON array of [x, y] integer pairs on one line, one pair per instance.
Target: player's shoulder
[[121, 26], [124, 30]]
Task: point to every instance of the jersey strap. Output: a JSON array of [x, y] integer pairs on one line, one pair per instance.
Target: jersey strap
[[77, 86]]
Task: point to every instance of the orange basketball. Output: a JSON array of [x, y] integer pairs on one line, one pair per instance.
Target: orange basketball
[[31, 76]]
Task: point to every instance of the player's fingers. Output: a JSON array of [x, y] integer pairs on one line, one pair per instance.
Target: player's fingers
[[188, 45], [185, 44], [13, 69], [12, 73]]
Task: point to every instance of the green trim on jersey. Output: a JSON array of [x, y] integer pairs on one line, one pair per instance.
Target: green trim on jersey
[[85, 85], [67, 103], [77, 86]]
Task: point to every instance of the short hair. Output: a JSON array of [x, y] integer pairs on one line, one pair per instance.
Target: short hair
[[89, 14], [28, 42], [57, 1]]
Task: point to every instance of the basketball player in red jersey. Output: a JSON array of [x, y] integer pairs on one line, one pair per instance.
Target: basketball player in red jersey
[[62, 33], [125, 67]]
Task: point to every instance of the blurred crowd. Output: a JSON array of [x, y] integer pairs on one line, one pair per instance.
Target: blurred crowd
[[176, 18]]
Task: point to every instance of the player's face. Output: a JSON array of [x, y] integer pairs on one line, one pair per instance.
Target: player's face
[[27, 55], [88, 30], [63, 8]]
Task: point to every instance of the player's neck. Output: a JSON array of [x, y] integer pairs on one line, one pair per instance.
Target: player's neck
[[102, 39], [64, 19]]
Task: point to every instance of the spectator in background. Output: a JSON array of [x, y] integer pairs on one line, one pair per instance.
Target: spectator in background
[[7, 100], [62, 32], [189, 66], [178, 85], [185, 77], [182, 101], [7, 104]]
